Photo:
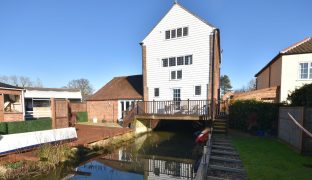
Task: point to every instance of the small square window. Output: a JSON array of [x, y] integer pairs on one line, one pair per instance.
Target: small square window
[[173, 33], [168, 34], [172, 61], [188, 60], [180, 60], [165, 62], [185, 31], [173, 74], [156, 92], [179, 74], [197, 90], [179, 32]]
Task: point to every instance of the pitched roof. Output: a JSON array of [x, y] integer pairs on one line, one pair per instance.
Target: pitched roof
[[125, 87], [3, 85], [193, 14], [52, 89], [301, 47]]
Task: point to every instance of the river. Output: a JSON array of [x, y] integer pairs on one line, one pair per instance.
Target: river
[[156, 155]]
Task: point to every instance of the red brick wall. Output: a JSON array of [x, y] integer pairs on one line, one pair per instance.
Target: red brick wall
[[78, 107], [103, 110], [1, 108], [13, 117]]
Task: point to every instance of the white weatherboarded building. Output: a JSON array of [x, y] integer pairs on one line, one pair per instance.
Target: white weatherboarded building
[[179, 56]]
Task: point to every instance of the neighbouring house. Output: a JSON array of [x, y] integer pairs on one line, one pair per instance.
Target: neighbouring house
[[38, 100], [289, 69], [181, 59], [11, 103], [117, 96]]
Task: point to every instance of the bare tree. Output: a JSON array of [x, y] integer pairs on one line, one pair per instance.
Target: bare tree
[[21, 81], [252, 85], [83, 85], [25, 82]]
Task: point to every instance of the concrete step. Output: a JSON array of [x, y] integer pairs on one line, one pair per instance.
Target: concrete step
[[218, 131], [223, 147], [227, 169], [220, 158], [224, 152], [222, 144], [220, 120], [214, 178]]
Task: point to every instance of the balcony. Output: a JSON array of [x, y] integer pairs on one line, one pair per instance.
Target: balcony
[[174, 110]]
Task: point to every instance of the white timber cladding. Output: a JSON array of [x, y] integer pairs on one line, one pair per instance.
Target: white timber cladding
[[196, 43], [290, 73], [53, 94]]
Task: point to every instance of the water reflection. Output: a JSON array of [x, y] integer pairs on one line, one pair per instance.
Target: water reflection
[[159, 155]]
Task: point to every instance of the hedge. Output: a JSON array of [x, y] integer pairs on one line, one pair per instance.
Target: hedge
[[301, 96], [251, 115], [25, 126], [82, 117]]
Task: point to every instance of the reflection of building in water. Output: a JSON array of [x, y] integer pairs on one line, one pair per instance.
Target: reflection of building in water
[[160, 169]]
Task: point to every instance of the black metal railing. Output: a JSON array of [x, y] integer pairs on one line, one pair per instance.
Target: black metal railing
[[183, 107]]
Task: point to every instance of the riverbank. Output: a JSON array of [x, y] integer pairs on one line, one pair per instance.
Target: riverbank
[[92, 141]]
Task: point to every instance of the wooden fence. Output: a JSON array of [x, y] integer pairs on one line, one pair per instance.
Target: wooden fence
[[289, 132], [78, 107], [60, 113]]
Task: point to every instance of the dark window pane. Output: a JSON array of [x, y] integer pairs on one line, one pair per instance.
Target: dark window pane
[[179, 74], [185, 31], [156, 92], [197, 90], [180, 60], [173, 33], [179, 32], [173, 75], [168, 34], [172, 61], [165, 62], [188, 60]]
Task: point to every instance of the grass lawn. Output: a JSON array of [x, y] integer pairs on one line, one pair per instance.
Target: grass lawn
[[268, 158]]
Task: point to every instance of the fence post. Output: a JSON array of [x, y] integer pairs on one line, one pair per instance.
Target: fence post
[[153, 106], [188, 106], [53, 115]]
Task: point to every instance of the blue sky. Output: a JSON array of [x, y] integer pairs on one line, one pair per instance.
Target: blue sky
[[61, 40]]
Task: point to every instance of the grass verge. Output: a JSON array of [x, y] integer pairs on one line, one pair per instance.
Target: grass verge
[[268, 158]]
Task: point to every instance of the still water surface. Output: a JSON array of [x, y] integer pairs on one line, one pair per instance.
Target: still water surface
[[157, 155]]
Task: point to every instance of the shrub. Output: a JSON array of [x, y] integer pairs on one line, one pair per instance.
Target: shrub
[[82, 117], [29, 126], [3, 128], [301, 96], [251, 115]]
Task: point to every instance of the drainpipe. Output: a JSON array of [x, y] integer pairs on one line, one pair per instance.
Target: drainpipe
[[213, 78]]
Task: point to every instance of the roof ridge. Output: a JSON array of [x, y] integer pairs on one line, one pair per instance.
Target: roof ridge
[[295, 45]]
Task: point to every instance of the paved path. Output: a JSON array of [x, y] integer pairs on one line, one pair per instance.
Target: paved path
[[90, 133]]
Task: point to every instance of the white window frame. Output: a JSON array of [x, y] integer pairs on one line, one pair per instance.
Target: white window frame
[[309, 70], [176, 34], [158, 92], [176, 75], [194, 90]]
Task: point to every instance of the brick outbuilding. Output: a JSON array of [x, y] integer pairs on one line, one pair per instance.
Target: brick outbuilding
[[114, 98]]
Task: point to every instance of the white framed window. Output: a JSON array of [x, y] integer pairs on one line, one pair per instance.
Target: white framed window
[[197, 90], [167, 34], [188, 59], [305, 70], [180, 60], [185, 31], [176, 33], [176, 75], [172, 61], [165, 62], [156, 92]]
